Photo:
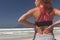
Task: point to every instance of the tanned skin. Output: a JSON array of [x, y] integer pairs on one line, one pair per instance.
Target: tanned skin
[[35, 12]]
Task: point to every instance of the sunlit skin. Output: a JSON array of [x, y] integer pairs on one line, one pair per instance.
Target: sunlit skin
[[41, 30], [35, 12]]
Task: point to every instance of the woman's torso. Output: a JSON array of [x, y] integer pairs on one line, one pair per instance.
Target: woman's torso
[[36, 15]]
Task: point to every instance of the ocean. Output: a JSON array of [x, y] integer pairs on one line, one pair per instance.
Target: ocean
[[22, 33]]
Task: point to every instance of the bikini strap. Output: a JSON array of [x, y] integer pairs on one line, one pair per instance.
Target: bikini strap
[[44, 14]]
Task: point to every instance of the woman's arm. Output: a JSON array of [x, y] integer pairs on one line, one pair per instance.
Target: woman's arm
[[57, 13], [25, 16], [50, 28], [56, 23]]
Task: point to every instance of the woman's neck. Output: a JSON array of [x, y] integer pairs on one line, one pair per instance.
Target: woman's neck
[[47, 8]]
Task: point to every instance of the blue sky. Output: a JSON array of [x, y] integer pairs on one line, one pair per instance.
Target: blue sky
[[11, 10]]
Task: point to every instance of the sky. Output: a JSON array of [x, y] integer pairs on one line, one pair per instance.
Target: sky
[[11, 10]]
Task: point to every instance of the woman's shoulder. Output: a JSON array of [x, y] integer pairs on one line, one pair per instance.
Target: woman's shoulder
[[56, 9]]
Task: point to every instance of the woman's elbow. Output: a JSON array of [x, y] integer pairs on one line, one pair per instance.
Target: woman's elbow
[[20, 20]]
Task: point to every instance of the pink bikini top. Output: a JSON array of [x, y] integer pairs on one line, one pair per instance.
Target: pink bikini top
[[43, 19], [44, 15]]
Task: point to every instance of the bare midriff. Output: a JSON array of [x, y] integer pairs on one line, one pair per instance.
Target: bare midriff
[[40, 29]]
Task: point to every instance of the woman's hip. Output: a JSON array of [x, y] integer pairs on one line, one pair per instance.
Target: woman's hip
[[44, 37]]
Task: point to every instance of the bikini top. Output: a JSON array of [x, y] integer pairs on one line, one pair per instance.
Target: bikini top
[[43, 18]]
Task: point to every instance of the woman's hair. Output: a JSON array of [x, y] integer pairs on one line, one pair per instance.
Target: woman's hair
[[45, 2], [47, 5]]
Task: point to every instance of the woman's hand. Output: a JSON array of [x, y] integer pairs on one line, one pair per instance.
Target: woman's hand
[[48, 30]]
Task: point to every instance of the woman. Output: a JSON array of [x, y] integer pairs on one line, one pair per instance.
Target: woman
[[43, 15]]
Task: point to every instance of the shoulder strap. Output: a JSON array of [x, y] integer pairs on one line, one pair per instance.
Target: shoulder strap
[[43, 16]]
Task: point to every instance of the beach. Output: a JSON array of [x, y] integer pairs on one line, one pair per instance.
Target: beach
[[22, 34]]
